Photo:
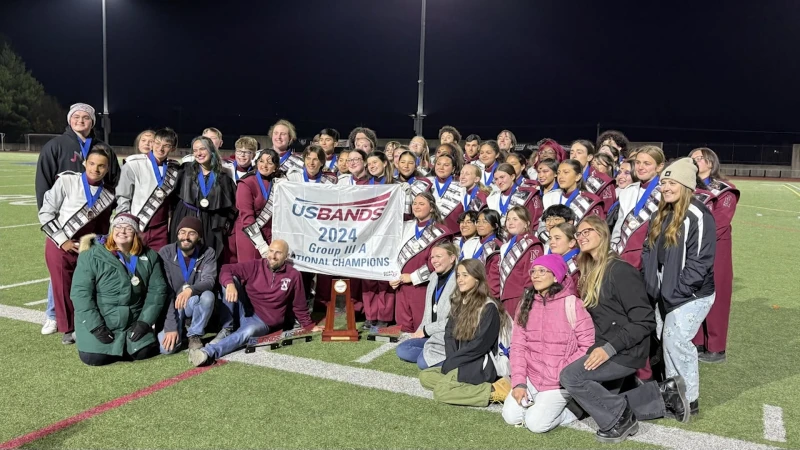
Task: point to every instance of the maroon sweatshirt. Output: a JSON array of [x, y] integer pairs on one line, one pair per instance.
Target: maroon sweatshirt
[[270, 292]]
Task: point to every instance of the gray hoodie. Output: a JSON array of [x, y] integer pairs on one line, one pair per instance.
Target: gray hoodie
[[202, 278]]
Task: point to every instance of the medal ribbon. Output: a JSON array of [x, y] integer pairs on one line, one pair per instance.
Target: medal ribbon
[[90, 199], [206, 184]]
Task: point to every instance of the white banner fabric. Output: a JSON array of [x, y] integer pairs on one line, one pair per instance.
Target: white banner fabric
[[341, 230]]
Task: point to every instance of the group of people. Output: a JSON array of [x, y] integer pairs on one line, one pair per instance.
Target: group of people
[[571, 281]]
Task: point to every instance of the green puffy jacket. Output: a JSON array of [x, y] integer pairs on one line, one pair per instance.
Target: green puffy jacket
[[102, 293]]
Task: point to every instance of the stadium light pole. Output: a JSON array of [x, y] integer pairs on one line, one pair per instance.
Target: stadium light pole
[[106, 117], [421, 80]]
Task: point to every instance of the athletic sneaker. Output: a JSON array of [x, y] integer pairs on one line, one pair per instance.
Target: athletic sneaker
[[50, 326], [198, 357], [195, 343], [223, 333], [68, 339]]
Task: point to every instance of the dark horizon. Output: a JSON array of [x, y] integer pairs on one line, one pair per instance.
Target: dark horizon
[[541, 69]]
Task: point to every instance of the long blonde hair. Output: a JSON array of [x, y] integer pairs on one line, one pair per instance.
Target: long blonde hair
[[593, 270], [466, 308], [678, 210]]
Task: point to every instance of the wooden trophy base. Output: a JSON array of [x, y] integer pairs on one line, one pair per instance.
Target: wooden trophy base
[[341, 290]]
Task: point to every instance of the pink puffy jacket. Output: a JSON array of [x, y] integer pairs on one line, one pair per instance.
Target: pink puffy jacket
[[548, 343]]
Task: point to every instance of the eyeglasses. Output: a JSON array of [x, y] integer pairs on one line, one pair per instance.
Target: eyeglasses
[[554, 220], [585, 232], [124, 229], [539, 272], [243, 153]]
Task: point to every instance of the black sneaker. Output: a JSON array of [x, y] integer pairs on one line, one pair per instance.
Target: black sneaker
[[673, 391], [627, 425], [712, 357], [381, 324], [700, 349], [368, 324], [68, 339]]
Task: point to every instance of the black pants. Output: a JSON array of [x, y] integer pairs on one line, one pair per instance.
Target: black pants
[[100, 359]]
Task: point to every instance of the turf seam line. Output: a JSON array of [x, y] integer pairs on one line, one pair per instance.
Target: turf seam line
[[100, 409]]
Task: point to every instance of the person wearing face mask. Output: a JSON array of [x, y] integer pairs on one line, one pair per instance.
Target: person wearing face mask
[[712, 338], [516, 256], [357, 168], [78, 204], [491, 235], [449, 194], [328, 138], [552, 330], [615, 296], [283, 134], [468, 243], [466, 377], [564, 244], [205, 191], [419, 236], [242, 162], [146, 188], [678, 267], [119, 292], [490, 157], [471, 147], [191, 274], [596, 182], [426, 345], [573, 194], [509, 194], [313, 170], [475, 193]]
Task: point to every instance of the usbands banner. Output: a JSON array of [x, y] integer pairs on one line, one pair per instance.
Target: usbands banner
[[341, 230]]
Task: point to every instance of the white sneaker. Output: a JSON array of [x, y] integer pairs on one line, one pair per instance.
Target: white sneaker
[[50, 326]]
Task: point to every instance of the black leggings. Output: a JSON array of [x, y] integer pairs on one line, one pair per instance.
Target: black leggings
[[100, 359]]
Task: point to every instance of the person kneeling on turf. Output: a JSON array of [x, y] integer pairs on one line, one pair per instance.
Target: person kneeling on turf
[[191, 271], [266, 287], [118, 291]]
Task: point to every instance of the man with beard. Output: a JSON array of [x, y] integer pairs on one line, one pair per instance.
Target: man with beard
[[191, 272], [267, 287]]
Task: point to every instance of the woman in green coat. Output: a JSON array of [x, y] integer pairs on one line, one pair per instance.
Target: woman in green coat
[[118, 291]]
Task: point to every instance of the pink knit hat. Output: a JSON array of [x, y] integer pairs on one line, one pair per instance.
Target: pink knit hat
[[554, 263]]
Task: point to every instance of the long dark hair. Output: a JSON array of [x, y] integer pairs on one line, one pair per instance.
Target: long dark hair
[[466, 308], [273, 155], [576, 166], [493, 217], [712, 159], [388, 172], [216, 166], [527, 301], [436, 215]]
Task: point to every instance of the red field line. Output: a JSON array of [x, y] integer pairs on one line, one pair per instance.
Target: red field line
[[100, 409]]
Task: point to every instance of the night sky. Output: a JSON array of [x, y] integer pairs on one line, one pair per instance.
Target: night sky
[[540, 68]]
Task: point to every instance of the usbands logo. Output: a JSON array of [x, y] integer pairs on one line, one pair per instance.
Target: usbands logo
[[360, 211]]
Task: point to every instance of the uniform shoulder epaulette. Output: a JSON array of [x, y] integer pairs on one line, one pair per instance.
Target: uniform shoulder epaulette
[[69, 172], [247, 175], [136, 157]]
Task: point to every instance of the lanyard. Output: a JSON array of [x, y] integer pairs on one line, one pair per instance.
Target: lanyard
[[316, 178], [488, 181], [285, 157], [586, 172], [332, 164], [438, 292], [206, 184], [419, 231], [187, 270], [85, 146], [468, 201], [510, 245], [381, 180], [643, 199], [570, 198], [475, 255], [264, 191], [570, 254], [90, 199], [236, 170], [441, 190], [129, 265], [158, 170], [504, 207], [707, 181]]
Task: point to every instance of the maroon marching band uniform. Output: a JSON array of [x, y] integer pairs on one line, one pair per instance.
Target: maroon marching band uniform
[[414, 259], [450, 203], [714, 332], [250, 202], [514, 264], [491, 259], [602, 186]]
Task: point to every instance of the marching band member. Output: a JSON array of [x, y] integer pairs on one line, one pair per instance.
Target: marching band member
[[379, 168], [471, 147], [313, 169], [604, 164], [490, 157], [491, 233], [552, 216], [328, 138], [449, 195], [215, 135], [356, 166], [506, 141], [363, 139], [242, 163], [254, 199], [713, 336], [144, 141], [341, 163], [597, 183], [516, 256], [389, 150], [78, 204], [419, 146], [563, 242], [469, 243], [637, 203], [283, 134], [448, 135], [411, 178], [420, 235], [453, 150], [617, 140], [572, 193], [625, 176], [518, 163], [205, 191], [546, 174], [550, 149], [475, 194], [146, 187], [509, 194]]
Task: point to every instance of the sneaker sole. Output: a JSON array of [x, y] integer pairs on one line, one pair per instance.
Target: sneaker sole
[[198, 358], [631, 432], [681, 384]]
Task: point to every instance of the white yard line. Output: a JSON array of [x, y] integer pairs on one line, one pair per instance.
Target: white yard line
[[649, 433], [37, 302], [371, 356], [17, 185], [24, 283], [19, 226], [773, 424]]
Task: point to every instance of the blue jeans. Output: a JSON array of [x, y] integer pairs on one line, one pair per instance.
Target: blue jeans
[[677, 331], [199, 308], [51, 303], [249, 327], [411, 351], [227, 311]]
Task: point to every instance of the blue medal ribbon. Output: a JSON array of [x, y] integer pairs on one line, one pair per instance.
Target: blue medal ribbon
[[471, 195], [707, 181], [419, 231], [85, 146], [587, 172], [130, 265], [441, 190], [316, 179], [641, 202], [332, 163], [206, 183], [504, 207], [381, 180], [187, 270], [158, 170], [285, 157], [570, 254], [411, 180], [511, 244], [438, 292], [488, 181], [570, 198], [90, 199], [264, 191]]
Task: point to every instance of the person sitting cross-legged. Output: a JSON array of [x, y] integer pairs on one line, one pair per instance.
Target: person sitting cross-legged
[[266, 287], [191, 272]]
